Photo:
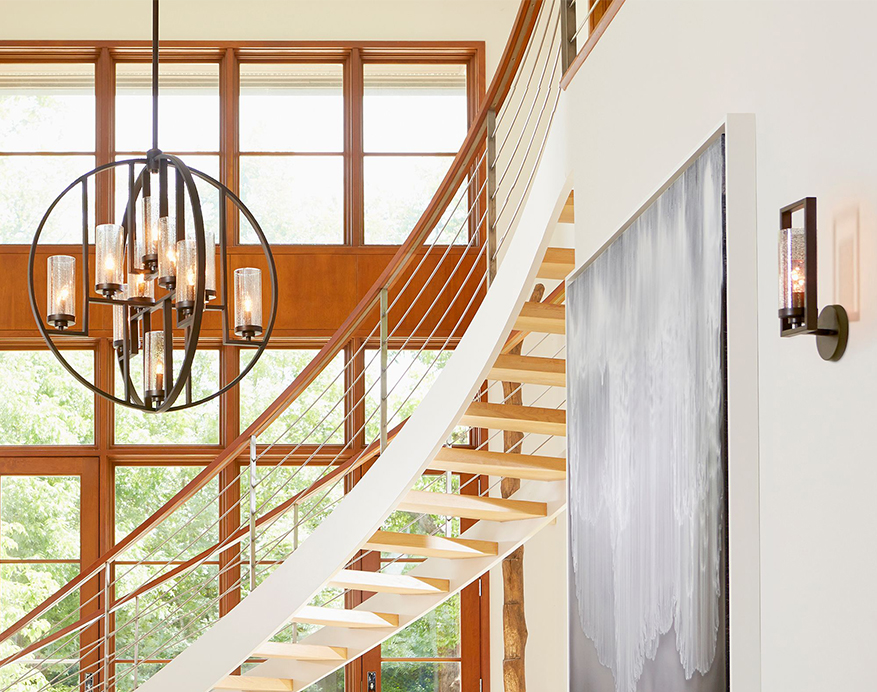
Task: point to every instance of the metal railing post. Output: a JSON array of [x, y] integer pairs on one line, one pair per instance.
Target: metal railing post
[[252, 513], [568, 32], [449, 488], [384, 339], [294, 548], [105, 668], [136, 639], [491, 195]]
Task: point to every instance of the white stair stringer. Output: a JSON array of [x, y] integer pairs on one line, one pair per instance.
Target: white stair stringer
[[295, 582], [461, 573]]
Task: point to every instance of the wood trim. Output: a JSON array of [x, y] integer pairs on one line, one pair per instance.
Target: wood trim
[[607, 16]]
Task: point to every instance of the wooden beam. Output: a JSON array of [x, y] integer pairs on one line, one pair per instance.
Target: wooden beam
[[557, 263], [527, 419], [471, 506], [524, 466], [529, 370], [247, 683], [542, 317], [430, 546], [339, 617], [379, 582], [300, 652]]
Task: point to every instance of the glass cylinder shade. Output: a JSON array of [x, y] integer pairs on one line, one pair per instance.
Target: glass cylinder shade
[[187, 272], [210, 273], [792, 273], [147, 236], [61, 272], [119, 320], [167, 251], [248, 301], [141, 290], [153, 365], [109, 258]]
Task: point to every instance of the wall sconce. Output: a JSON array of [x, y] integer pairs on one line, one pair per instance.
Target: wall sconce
[[797, 276]]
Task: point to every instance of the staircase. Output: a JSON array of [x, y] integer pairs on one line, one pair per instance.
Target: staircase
[[470, 279], [451, 563]]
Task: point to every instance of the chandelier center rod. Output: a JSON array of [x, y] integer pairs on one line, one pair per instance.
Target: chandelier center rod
[[155, 74]]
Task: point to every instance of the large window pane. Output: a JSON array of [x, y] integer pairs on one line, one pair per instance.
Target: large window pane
[[199, 425], [291, 107], [414, 108], [29, 184], [314, 417], [420, 676], [44, 405], [45, 107], [295, 199], [397, 190], [188, 107]]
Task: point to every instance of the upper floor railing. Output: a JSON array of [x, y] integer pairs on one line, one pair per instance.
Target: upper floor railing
[[158, 588]]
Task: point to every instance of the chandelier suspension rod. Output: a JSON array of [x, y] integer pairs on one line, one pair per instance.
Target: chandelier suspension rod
[[155, 74]]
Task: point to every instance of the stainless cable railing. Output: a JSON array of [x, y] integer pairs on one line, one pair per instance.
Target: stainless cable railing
[[144, 605]]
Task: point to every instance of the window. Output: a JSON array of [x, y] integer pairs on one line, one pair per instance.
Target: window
[[315, 417], [199, 425], [44, 405], [292, 144], [414, 121], [46, 141]]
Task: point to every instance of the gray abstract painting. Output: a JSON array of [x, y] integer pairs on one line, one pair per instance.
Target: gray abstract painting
[[647, 448]]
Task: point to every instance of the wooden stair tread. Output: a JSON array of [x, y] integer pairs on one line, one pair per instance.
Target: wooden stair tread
[[251, 683], [300, 652], [568, 213], [529, 370], [541, 317], [380, 582], [471, 506], [526, 419], [558, 263], [430, 546], [480, 462], [341, 617]]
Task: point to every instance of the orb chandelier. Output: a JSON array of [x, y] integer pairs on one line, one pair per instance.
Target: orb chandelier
[[156, 272]]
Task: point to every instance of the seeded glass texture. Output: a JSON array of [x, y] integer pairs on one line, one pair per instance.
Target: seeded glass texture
[[109, 257], [247, 297], [210, 271], [61, 270], [153, 359], [792, 274], [141, 287], [187, 266], [167, 247], [119, 318]]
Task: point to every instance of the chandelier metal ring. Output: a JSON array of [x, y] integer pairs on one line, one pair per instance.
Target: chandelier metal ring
[[140, 313]]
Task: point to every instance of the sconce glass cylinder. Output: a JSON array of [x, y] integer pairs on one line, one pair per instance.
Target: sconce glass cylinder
[[146, 245], [141, 290], [210, 273], [248, 301], [187, 271], [167, 252], [61, 272], [153, 366], [792, 274], [109, 259]]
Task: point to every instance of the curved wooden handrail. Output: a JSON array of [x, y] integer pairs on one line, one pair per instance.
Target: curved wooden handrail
[[475, 140]]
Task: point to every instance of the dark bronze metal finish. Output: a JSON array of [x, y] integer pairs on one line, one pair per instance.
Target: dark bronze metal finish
[[831, 326]]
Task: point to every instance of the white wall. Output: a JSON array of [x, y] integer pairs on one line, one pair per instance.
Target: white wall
[[440, 20], [660, 80]]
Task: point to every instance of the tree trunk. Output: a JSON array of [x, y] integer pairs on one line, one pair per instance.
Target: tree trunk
[[514, 623]]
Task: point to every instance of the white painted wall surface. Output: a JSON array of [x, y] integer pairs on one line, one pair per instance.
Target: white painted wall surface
[[282, 20], [664, 74]]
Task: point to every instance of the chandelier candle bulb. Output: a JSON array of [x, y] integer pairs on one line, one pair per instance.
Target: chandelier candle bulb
[[141, 289], [153, 366], [792, 274], [109, 259], [61, 271], [248, 302], [210, 273], [187, 268], [167, 252]]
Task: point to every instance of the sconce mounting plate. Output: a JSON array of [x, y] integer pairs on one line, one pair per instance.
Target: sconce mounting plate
[[833, 332]]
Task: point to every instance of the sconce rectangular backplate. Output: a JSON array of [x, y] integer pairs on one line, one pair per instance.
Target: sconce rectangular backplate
[[811, 304]]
